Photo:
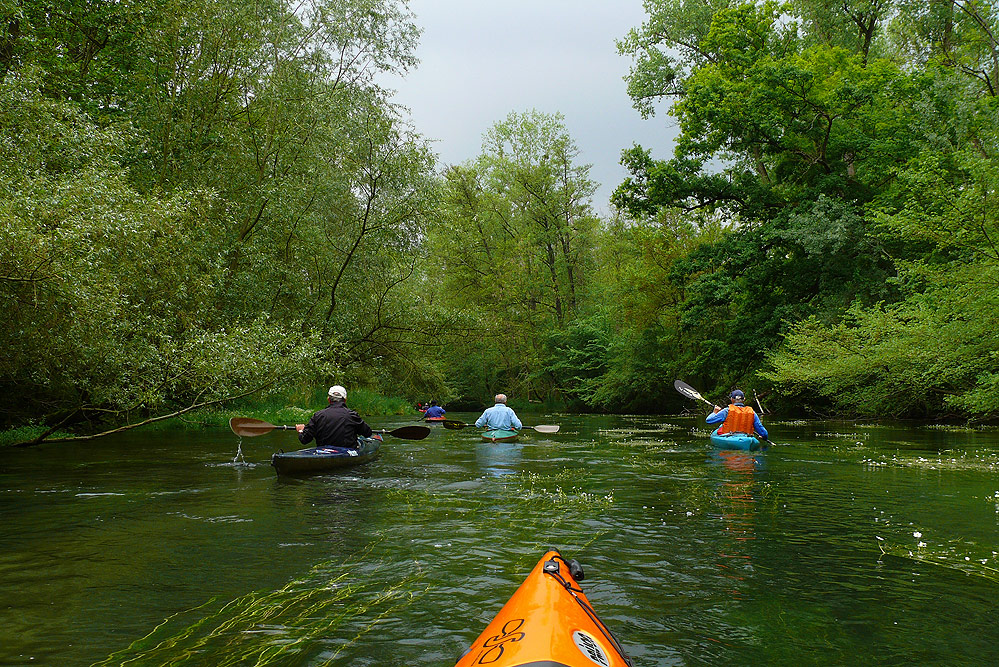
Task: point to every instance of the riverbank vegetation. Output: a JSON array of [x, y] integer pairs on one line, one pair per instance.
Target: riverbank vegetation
[[204, 201], [294, 408]]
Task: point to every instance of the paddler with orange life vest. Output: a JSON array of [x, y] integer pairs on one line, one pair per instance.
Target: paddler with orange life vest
[[737, 417]]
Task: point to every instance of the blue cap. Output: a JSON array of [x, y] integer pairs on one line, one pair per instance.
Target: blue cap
[[737, 395]]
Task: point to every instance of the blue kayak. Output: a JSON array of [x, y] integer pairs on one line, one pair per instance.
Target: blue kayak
[[743, 441]]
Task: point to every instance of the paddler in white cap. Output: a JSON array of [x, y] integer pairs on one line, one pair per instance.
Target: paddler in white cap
[[336, 425]]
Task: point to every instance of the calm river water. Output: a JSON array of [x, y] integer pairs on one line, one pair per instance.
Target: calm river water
[[846, 544]]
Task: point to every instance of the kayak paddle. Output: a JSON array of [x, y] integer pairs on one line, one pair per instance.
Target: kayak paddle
[[690, 392], [248, 427], [540, 428]]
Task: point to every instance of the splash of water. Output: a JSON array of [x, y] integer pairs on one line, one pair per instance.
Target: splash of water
[[239, 459]]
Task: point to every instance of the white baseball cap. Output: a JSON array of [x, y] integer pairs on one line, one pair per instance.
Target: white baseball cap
[[337, 390]]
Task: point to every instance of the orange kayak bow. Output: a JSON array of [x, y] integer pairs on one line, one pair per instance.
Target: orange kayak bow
[[548, 622]]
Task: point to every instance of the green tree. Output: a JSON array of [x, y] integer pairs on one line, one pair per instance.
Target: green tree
[[545, 208], [253, 189], [786, 139], [934, 351], [931, 352], [642, 296], [110, 293], [515, 243]]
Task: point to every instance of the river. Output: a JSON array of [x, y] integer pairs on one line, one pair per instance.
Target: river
[[846, 543]]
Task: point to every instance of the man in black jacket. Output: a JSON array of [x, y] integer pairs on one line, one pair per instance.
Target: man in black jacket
[[336, 425]]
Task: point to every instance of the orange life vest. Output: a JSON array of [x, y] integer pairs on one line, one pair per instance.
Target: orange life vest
[[739, 420]]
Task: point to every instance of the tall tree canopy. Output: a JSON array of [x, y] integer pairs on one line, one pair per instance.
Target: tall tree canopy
[[513, 243], [205, 199], [845, 146], [201, 199]]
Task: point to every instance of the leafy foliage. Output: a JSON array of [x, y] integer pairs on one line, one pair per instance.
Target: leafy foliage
[[208, 199], [513, 245], [848, 149], [110, 293], [201, 200]]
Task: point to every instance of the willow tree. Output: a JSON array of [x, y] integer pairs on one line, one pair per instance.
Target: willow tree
[[110, 294]]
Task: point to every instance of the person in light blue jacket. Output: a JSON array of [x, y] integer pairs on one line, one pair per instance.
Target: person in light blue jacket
[[499, 417]]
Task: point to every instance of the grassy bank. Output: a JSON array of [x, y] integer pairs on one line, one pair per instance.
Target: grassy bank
[[26, 434], [291, 410], [277, 410]]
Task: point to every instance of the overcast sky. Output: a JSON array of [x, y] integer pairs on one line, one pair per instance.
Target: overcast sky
[[481, 60]]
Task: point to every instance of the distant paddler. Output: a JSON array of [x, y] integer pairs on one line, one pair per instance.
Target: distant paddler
[[737, 417], [435, 411]]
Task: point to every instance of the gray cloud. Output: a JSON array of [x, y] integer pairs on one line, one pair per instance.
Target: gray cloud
[[480, 61]]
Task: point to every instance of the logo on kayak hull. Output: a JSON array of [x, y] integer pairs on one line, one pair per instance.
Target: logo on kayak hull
[[589, 647]]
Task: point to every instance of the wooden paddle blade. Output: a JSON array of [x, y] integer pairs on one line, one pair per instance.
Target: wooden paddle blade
[[409, 432], [248, 428], [545, 428], [453, 424]]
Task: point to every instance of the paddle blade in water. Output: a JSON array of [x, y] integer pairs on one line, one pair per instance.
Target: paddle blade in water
[[545, 428], [248, 427], [453, 424]]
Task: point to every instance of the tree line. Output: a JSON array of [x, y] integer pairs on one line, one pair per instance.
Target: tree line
[[207, 200], [858, 139]]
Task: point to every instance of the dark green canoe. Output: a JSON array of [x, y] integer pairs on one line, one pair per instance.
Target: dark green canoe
[[318, 459]]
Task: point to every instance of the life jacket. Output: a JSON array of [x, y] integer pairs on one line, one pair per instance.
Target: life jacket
[[739, 420]]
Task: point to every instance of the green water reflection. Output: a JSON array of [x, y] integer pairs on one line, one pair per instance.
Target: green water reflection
[[847, 544]]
